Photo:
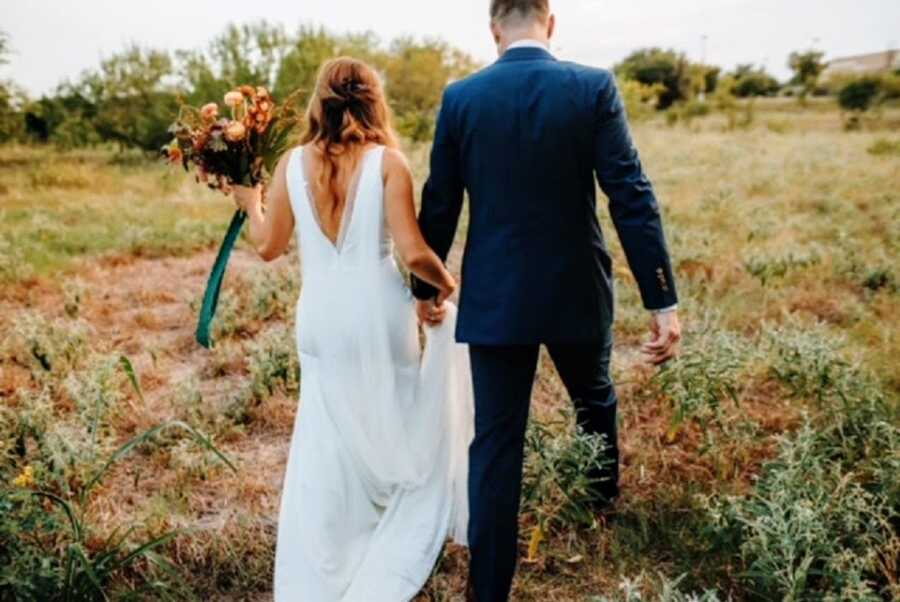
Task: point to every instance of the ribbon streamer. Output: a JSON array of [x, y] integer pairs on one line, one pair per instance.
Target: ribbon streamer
[[211, 297]]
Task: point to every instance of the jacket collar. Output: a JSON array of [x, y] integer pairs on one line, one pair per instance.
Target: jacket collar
[[526, 53]]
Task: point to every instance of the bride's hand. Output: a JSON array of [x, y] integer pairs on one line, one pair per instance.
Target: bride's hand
[[429, 313], [246, 198]]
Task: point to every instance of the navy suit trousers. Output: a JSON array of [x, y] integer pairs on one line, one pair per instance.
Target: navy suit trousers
[[503, 377]]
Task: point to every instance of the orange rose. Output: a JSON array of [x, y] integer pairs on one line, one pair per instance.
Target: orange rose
[[209, 111], [234, 98]]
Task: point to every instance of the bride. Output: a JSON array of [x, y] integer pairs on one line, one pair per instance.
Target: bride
[[376, 475]]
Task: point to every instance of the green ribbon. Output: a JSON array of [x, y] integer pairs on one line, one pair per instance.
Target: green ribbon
[[211, 297]]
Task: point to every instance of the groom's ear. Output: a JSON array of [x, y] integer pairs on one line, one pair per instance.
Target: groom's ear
[[551, 26], [495, 31]]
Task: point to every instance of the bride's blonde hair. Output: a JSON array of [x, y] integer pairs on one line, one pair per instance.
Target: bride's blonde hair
[[347, 111]]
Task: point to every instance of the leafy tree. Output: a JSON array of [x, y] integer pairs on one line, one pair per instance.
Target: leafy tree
[[250, 53], [133, 98], [65, 118], [753, 81], [134, 95], [12, 98], [416, 74], [652, 66], [807, 67], [310, 48]]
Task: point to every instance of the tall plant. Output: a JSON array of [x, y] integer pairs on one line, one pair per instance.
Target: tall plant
[[76, 565]]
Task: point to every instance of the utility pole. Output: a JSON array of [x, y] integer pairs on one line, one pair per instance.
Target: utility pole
[[703, 40]]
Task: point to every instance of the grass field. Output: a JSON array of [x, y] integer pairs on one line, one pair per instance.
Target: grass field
[[763, 465]]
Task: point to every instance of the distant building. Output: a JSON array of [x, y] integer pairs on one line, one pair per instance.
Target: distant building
[[863, 64]]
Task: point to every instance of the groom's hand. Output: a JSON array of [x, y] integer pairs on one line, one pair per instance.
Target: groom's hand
[[430, 313], [666, 331]]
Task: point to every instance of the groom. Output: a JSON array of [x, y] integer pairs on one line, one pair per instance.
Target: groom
[[525, 138]]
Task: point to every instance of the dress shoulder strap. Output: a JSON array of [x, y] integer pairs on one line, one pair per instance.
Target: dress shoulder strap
[[296, 181]]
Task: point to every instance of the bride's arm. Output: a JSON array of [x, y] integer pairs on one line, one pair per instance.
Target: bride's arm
[[270, 230], [400, 211]]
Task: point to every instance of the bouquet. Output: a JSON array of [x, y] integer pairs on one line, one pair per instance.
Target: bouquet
[[241, 149]]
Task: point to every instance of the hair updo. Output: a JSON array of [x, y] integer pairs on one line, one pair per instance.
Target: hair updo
[[347, 112]]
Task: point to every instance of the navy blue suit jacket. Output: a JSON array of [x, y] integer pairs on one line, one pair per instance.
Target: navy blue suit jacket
[[525, 138]]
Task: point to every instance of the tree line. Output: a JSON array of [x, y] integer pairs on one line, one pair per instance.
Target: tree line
[[132, 96], [671, 79]]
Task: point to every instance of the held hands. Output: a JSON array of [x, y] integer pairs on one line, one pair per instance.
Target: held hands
[[433, 312], [430, 313], [666, 331]]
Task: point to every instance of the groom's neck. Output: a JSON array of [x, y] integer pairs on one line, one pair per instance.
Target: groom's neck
[[537, 33]]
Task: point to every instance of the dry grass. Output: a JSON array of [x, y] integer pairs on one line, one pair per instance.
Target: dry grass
[[792, 223]]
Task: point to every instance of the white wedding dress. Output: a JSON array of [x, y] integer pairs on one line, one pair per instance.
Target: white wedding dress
[[376, 477]]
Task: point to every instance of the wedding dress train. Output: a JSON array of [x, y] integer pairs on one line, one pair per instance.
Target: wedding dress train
[[376, 476]]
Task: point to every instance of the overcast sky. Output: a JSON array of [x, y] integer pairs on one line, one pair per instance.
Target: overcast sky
[[55, 40]]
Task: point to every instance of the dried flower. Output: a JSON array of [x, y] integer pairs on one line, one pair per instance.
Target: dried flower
[[234, 98], [235, 132], [209, 112], [175, 154], [26, 479], [262, 92]]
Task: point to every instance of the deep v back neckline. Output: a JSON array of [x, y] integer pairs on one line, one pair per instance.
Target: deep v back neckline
[[350, 201]]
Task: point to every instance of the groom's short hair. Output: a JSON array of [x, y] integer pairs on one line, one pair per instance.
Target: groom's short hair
[[523, 9]]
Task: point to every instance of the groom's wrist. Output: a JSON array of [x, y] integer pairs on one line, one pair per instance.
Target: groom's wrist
[[664, 310]]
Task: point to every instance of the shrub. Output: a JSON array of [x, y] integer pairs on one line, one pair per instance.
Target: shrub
[[706, 376], [821, 522], [49, 348], [859, 94], [808, 361], [884, 147], [669, 591], [768, 268], [640, 99], [754, 81], [558, 491], [263, 296], [273, 363], [686, 112], [880, 278], [274, 294], [655, 66], [809, 531]]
